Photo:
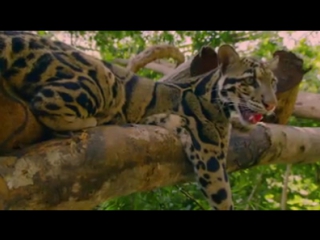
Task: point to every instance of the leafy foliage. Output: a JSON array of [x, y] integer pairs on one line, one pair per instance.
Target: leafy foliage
[[258, 188]]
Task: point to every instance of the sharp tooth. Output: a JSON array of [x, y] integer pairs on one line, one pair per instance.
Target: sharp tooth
[[251, 118]]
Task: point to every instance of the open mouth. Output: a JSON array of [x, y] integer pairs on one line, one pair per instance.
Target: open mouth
[[249, 115]]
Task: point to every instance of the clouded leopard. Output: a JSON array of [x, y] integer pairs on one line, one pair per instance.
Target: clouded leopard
[[68, 90]]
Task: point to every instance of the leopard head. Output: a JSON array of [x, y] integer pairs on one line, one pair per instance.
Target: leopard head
[[246, 85]]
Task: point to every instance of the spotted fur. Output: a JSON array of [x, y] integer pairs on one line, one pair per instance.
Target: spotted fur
[[68, 90]]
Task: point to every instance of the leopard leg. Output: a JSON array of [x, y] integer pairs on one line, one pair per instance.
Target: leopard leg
[[209, 160], [59, 111]]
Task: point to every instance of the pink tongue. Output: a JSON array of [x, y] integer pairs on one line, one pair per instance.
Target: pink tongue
[[255, 118]]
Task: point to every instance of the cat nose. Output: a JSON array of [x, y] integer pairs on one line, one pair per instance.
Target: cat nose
[[269, 106]]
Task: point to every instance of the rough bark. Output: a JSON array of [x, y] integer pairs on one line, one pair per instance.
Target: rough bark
[[307, 106], [111, 161]]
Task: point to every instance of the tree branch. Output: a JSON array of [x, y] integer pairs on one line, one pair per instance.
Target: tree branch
[[82, 172], [160, 68], [307, 106]]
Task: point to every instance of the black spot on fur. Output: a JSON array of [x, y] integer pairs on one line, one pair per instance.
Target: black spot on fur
[[200, 165], [221, 156], [65, 96], [220, 196], [195, 142], [30, 56], [44, 41], [58, 68], [94, 77], [201, 86], [129, 90], [80, 58], [64, 75], [39, 112], [154, 98], [204, 183], [205, 112], [52, 106], [17, 44], [206, 176], [232, 89], [62, 45], [10, 73], [34, 44], [115, 89], [74, 109], [39, 67], [214, 94], [19, 63], [231, 81], [47, 93], [226, 110], [52, 79], [85, 103], [3, 65], [213, 165], [59, 56], [82, 82], [224, 93]]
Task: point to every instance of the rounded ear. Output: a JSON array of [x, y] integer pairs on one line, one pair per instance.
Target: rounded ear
[[273, 63], [227, 55], [205, 61]]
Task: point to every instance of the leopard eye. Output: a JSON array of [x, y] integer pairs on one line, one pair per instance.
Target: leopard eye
[[249, 80]]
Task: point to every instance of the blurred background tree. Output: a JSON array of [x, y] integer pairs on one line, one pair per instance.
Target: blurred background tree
[[256, 188]]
